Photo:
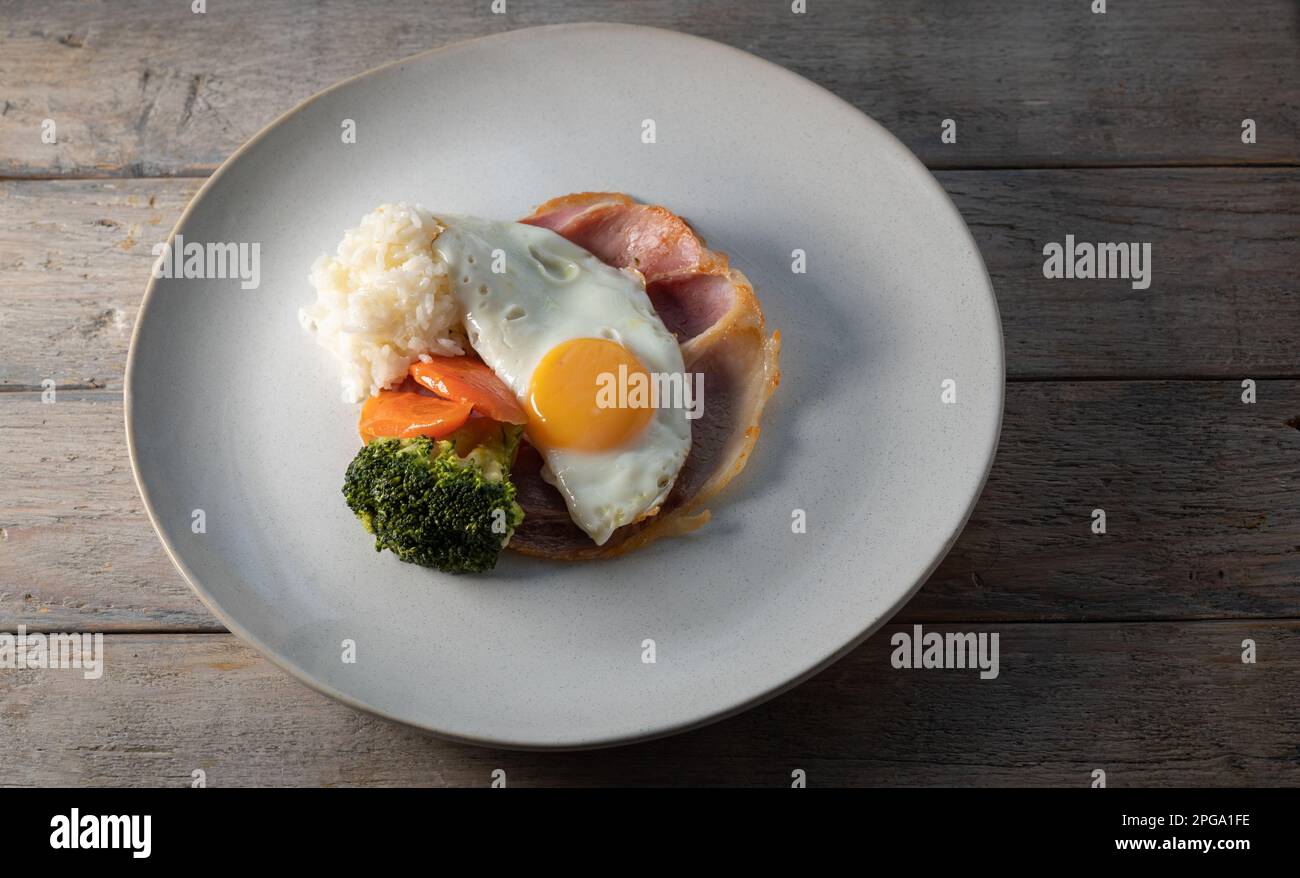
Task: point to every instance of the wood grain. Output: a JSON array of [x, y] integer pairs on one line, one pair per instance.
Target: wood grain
[[76, 548], [1199, 491], [142, 88], [1198, 488], [1223, 303], [1151, 705], [75, 257], [1225, 244]]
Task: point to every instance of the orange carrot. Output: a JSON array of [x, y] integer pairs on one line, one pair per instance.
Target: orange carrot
[[466, 379], [403, 414]]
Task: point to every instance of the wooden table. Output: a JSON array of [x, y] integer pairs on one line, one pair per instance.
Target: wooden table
[[1120, 652]]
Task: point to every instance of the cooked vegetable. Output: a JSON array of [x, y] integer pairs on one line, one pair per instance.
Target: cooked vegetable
[[403, 414], [430, 505], [467, 379]]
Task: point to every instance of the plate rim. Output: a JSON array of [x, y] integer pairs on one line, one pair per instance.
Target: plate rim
[[577, 743]]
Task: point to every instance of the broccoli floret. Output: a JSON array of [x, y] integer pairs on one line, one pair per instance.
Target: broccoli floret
[[430, 505]]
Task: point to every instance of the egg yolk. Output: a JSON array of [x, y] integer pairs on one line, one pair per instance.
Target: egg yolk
[[574, 401]]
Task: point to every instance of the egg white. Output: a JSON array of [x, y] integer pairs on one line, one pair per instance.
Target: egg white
[[523, 290]]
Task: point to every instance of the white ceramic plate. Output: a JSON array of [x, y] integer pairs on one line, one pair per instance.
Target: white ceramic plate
[[232, 410]]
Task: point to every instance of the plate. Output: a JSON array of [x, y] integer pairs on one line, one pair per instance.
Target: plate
[[239, 440]]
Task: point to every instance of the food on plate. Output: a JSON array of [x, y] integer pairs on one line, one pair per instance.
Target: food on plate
[[403, 414], [548, 325], [469, 381], [629, 362], [382, 301], [431, 505]]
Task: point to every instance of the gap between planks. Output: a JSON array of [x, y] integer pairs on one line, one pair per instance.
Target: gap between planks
[[939, 624], [1193, 164]]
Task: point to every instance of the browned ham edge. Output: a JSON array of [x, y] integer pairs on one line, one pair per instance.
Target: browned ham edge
[[712, 310]]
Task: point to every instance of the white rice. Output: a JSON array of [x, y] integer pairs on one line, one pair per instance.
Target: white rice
[[384, 300]]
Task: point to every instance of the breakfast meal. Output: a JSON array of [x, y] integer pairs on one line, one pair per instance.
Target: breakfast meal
[[570, 386]]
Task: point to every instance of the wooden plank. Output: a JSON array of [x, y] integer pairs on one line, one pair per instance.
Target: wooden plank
[[1151, 705], [139, 88], [1224, 247], [1198, 488], [1225, 242], [1199, 491], [74, 261], [76, 548]]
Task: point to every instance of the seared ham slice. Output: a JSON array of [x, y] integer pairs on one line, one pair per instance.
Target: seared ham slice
[[712, 310]]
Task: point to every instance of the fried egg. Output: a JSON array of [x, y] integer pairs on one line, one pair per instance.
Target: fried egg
[[556, 325]]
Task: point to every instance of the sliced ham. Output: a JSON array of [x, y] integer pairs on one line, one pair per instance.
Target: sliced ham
[[558, 211], [712, 310], [651, 239]]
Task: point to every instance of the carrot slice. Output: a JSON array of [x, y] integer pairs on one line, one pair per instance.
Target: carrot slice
[[467, 379], [403, 414]]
